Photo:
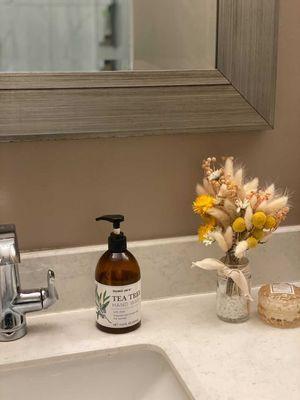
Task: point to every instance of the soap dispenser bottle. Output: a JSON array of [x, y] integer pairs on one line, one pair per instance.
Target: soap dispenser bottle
[[118, 284]]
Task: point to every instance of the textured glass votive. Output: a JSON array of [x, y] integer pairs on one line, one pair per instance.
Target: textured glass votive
[[279, 305]]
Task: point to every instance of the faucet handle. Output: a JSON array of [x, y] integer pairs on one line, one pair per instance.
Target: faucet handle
[[49, 294]]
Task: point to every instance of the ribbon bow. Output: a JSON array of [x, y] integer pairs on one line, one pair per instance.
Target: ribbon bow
[[238, 277]]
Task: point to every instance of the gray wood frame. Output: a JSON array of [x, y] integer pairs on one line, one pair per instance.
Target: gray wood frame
[[238, 95]]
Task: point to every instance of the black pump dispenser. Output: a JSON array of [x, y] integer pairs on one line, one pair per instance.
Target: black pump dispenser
[[117, 242]]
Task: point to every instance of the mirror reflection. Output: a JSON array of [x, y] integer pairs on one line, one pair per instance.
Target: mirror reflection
[[107, 35]]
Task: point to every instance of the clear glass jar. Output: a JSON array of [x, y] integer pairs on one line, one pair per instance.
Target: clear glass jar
[[232, 305]]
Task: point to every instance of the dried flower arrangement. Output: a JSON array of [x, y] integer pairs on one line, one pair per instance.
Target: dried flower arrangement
[[238, 215]]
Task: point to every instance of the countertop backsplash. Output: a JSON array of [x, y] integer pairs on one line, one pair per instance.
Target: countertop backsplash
[[165, 267]]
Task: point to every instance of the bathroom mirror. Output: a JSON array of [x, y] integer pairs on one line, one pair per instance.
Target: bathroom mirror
[[107, 35], [189, 66]]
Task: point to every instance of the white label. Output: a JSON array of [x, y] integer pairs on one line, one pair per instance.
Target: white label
[[282, 288], [118, 306]]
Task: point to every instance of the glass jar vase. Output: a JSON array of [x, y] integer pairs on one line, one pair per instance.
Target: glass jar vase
[[232, 305]]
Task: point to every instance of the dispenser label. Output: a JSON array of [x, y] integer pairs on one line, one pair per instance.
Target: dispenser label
[[118, 306]]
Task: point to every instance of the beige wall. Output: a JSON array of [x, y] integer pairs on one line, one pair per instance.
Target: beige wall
[[53, 190]]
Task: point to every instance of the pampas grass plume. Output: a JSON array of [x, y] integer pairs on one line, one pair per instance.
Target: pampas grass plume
[[228, 236], [208, 188], [251, 186], [219, 238], [271, 191], [276, 204], [228, 168], [238, 177], [220, 215], [248, 217], [230, 208]]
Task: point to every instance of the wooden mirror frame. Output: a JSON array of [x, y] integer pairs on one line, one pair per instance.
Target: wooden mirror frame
[[238, 95]]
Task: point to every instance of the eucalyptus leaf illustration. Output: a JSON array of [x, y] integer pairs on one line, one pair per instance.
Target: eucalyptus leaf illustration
[[101, 304]]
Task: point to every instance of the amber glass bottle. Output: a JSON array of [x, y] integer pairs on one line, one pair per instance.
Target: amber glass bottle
[[118, 284]]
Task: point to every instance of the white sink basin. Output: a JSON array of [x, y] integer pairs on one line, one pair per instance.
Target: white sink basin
[[132, 373]]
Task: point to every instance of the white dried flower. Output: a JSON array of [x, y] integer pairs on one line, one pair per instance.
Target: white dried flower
[[208, 240], [241, 248], [215, 175], [241, 205]]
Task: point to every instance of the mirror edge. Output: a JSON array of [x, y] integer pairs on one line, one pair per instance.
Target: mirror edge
[[239, 51], [226, 99]]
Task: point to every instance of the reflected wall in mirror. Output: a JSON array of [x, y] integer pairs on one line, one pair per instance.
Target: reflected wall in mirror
[[99, 35]]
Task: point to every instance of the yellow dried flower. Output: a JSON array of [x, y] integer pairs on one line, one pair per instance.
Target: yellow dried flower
[[239, 225], [258, 234], [252, 242], [270, 222], [259, 219], [203, 203], [204, 230]]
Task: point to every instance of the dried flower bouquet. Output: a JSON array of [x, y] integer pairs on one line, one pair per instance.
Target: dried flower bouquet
[[237, 214]]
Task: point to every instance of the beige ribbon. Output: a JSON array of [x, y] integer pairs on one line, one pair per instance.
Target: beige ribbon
[[237, 275]]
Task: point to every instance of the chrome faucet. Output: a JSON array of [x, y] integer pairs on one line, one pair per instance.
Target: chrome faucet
[[14, 302]]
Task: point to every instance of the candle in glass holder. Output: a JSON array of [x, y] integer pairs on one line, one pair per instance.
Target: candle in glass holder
[[279, 305]]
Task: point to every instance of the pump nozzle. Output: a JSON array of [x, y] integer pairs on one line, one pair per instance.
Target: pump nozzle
[[117, 240], [115, 219]]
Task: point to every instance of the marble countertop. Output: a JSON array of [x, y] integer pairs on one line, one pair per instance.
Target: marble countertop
[[216, 360]]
